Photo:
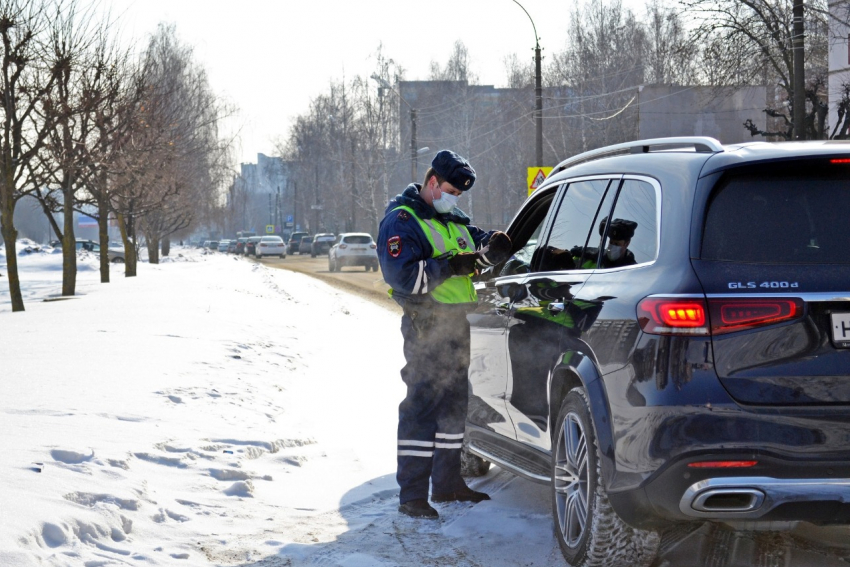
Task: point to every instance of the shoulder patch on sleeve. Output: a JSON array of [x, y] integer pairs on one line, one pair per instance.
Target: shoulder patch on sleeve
[[394, 246], [403, 215]]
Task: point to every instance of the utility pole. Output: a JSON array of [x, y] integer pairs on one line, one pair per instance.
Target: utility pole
[[538, 94], [798, 43], [271, 211], [414, 152], [538, 106], [279, 208], [294, 206], [412, 145]]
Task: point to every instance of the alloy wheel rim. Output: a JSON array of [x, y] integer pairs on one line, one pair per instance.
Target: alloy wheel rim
[[571, 486]]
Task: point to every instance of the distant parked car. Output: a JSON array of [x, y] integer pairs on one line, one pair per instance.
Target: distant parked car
[[240, 245], [222, 245], [321, 244], [271, 246], [353, 249], [231, 247], [295, 242], [251, 245], [213, 245], [306, 245], [115, 255]]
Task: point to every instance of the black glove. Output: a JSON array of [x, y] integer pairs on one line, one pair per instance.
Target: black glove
[[463, 264], [498, 249]]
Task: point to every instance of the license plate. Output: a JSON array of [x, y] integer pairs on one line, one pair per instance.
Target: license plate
[[360, 250], [841, 329]]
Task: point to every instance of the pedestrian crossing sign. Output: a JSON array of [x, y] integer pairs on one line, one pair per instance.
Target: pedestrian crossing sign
[[536, 176]]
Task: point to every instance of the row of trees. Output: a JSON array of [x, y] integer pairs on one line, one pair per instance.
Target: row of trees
[[91, 127], [350, 151]]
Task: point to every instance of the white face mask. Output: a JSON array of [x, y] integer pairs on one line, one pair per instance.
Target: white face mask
[[445, 203], [614, 252]]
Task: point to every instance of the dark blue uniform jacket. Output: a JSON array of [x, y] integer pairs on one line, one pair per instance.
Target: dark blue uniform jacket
[[405, 252]]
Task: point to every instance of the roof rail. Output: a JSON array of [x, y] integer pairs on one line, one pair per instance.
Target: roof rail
[[698, 143]]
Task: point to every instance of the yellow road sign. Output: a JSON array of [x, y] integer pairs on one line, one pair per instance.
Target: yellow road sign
[[536, 175], [269, 229]]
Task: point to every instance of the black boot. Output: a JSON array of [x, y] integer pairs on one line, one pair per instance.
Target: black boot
[[465, 494], [418, 509]]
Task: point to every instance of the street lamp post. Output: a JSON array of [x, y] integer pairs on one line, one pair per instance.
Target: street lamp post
[[538, 93], [413, 150]]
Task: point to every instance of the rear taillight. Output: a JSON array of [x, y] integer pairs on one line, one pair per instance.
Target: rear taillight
[[717, 316], [735, 314], [840, 160], [373, 245], [672, 316], [343, 246]]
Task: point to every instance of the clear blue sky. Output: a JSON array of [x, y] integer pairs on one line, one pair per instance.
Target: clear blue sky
[[270, 57]]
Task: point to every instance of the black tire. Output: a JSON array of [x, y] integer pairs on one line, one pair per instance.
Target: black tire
[[472, 465], [589, 531], [117, 260], [366, 267], [282, 256]]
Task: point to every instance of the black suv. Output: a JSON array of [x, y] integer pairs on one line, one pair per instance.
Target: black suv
[[670, 342]]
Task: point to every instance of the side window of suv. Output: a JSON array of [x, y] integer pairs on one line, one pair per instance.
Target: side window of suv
[[567, 247], [631, 231]]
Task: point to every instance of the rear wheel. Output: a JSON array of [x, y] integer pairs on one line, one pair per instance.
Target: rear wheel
[[588, 529], [117, 260]]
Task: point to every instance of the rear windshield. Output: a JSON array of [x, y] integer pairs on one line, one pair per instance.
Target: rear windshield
[[357, 239], [793, 214], [272, 239]]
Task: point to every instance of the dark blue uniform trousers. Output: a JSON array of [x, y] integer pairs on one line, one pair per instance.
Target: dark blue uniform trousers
[[432, 416]]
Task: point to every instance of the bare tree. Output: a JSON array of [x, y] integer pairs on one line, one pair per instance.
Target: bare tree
[[748, 42], [25, 79]]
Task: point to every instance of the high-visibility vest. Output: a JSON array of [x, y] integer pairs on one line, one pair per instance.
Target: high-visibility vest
[[447, 238]]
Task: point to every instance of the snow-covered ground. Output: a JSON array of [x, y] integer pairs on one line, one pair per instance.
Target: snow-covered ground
[[212, 411]]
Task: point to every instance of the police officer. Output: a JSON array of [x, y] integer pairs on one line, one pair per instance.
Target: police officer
[[617, 253], [428, 253]]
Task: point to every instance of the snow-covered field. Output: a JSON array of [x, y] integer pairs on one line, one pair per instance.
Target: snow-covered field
[[212, 411]]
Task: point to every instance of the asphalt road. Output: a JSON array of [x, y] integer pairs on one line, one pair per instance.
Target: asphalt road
[[357, 280], [691, 545]]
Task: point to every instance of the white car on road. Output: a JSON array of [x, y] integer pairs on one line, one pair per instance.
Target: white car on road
[[353, 249], [270, 246]]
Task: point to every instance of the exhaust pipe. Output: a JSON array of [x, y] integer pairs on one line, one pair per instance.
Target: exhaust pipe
[[728, 500]]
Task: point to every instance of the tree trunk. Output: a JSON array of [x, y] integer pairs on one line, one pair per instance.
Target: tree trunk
[[10, 236], [166, 246], [129, 248], [69, 247], [153, 249], [103, 237]]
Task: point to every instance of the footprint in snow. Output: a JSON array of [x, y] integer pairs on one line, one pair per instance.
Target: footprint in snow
[[70, 457]]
